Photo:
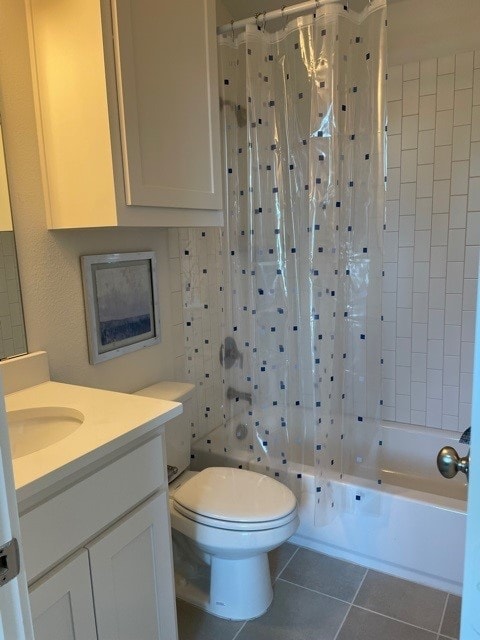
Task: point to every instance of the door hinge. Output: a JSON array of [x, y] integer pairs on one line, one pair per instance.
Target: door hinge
[[9, 561]]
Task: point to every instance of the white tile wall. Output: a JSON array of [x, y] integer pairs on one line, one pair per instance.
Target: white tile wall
[[432, 240]]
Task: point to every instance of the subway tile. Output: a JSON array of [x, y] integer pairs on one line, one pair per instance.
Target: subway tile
[[453, 308], [446, 64], [388, 392], [436, 324], [441, 196], [411, 70], [453, 336], [451, 371], [404, 293], [471, 261], [388, 413], [389, 306], [410, 96], [420, 308], [450, 423], [460, 173], [402, 380], [428, 76], [445, 92], [394, 151], [464, 70], [389, 335], [475, 159], [463, 107], [407, 199], [422, 246], [388, 366], [394, 83], [394, 110], [425, 181], [466, 388], [421, 276], [473, 228], [389, 281], [466, 357], [461, 142], [419, 396], [456, 245], [450, 400], [410, 132], [390, 246], [434, 383], [444, 127], [476, 123], [434, 413], [408, 172], [474, 194], [423, 217], [419, 337], [402, 407], [426, 146], [405, 259], [469, 294], [404, 323], [458, 212], [406, 231], [438, 262], [464, 415], [454, 277], [436, 294], [427, 112], [439, 229], [419, 367], [393, 184], [403, 349], [443, 163], [392, 214], [468, 326], [476, 87], [418, 417]]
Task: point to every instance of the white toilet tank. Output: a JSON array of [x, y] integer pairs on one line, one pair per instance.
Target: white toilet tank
[[178, 430]]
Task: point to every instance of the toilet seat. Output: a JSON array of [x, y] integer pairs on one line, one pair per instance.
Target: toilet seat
[[235, 499]]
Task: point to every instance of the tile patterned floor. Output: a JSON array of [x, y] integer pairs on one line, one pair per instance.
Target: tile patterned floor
[[320, 598]]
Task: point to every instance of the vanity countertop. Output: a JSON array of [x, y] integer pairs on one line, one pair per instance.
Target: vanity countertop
[[112, 421]]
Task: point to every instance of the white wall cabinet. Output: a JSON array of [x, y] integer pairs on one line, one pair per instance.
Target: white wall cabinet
[[98, 555], [127, 112]]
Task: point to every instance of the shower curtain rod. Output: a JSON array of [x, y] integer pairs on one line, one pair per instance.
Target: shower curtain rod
[[291, 10]]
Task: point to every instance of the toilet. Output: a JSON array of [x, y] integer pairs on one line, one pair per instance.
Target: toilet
[[224, 522]]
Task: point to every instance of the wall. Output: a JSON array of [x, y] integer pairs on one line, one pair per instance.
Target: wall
[[432, 240], [49, 261]]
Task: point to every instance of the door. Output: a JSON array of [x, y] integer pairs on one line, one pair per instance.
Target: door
[[470, 622], [15, 619]]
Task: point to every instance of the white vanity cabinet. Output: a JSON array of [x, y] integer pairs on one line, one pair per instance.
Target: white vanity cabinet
[[102, 552], [127, 109]]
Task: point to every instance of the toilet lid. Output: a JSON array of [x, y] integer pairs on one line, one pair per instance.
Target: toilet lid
[[235, 495]]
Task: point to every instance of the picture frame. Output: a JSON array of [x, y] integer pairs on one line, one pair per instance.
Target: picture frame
[[121, 303]]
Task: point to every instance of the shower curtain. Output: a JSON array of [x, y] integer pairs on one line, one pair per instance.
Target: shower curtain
[[304, 118]]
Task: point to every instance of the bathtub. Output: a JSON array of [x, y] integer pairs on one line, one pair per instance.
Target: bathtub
[[412, 526]]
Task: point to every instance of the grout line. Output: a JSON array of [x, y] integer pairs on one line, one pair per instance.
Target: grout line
[[238, 632], [351, 605], [443, 614], [410, 624], [287, 563]]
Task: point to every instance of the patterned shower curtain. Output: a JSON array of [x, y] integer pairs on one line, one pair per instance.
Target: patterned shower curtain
[[304, 118]]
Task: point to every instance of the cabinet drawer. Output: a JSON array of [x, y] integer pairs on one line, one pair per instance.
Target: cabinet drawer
[[62, 524]]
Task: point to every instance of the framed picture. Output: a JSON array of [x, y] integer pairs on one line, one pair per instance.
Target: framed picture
[[121, 304]]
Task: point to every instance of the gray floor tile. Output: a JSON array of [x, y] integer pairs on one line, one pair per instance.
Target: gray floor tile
[[296, 614], [403, 600], [279, 557], [451, 620], [195, 624], [365, 625], [324, 574]]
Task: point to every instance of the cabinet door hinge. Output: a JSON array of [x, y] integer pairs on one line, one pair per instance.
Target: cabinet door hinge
[[9, 561]]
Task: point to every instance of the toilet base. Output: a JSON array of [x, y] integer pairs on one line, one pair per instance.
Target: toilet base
[[239, 589]]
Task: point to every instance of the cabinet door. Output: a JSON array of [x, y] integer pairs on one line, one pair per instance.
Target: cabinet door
[[168, 102], [132, 576], [62, 603]]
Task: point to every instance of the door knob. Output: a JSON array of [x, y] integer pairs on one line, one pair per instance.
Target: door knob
[[449, 463]]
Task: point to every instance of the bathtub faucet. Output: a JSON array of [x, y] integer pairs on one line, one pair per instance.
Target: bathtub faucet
[[234, 394]]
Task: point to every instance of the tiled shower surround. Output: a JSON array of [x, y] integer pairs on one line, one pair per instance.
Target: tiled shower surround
[[432, 242]]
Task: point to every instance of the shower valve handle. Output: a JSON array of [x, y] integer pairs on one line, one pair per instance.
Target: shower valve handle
[[449, 463]]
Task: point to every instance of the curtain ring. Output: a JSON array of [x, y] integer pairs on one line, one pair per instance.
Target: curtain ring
[[257, 15], [233, 30], [264, 21], [285, 18]]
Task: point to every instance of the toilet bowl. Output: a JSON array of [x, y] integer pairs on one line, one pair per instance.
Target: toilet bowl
[[224, 522]]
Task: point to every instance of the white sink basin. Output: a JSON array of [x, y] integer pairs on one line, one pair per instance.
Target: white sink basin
[[33, 429]]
